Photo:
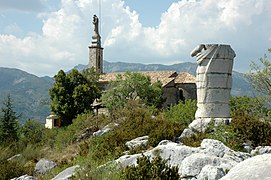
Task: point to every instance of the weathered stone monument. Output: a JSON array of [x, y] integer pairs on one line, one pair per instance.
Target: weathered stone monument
[[95, 49], [213, 81]]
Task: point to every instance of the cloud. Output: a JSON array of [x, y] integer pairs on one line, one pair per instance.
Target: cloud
[[66, 34], [25, 5]]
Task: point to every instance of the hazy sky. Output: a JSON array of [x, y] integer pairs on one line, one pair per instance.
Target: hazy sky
[[44, 36]]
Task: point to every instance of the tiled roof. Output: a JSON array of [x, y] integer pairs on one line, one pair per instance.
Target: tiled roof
[[164, 76], [184, 78]]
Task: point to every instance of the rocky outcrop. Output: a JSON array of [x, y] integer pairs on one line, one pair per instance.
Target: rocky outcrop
[[257, 167], [105, 129], [138, 142], [43, 166], [86, 133], [261, 150], [25, 177], [209, 161], [67, 173]]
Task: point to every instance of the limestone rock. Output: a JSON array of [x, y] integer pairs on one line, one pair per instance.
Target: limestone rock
[[212, 159], [15, 157], [127, 160], [87, 133], [43, 166], [218, 149], [261, 150], [200, 125], [192, 165], [24, 177], [257, 167], [211, 173], [105, 129], [67, 173], [138, 142]]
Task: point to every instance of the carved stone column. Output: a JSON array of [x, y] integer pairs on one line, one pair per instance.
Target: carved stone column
[[213, 80]]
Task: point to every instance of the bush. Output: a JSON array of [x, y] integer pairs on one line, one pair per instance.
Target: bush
[[258, 132], [253, 106], [182, 112], [32, 132], [147, 169], [11, 169], [134, 121]]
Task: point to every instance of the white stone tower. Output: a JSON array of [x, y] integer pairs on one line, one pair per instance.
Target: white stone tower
[[95, 49]]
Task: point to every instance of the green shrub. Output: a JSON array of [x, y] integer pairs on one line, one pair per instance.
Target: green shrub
[[32, 132], [11, 169], [147, 169], [182, 112], [226, 134], [258, 132], [253, 106], [134, 121]]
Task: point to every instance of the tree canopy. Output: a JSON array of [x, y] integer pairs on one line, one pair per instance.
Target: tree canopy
[[132, 86], [73, 93], [260, 76], [8, 122]]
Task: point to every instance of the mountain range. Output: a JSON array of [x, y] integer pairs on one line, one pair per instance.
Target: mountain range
[[30, 93]]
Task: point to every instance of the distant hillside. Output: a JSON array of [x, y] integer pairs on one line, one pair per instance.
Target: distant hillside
[[27, 92]]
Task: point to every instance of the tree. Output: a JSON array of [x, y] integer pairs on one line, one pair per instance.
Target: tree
[[73, 94], [132, 86], [260, 76], [32, 132], [8, 122]]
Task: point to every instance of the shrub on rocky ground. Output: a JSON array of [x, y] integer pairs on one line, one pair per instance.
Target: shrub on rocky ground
[[182, 112], [135, 121], [147, 169]]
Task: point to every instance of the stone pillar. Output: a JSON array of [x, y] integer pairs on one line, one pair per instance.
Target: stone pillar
[[96, 58], [213, 80], [95, 49]]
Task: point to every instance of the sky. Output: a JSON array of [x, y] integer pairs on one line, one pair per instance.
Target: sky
[[44, 36]]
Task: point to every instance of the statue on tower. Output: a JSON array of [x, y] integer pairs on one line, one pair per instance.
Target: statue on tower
[[96, 38]]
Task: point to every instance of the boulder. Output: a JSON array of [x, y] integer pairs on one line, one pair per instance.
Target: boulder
[[43, 166], [209, 161], [24, 177], [67, 173], [211, 173], [257, 167], [105, 129], [138, 142], [193, 164], [261, 150]]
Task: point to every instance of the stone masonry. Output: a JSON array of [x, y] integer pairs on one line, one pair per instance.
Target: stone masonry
[[213, 80]]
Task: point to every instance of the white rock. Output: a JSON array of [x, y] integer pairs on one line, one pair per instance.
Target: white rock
[[24, 177], [43, 166], [261, 150], [15, 157], [200, 125], [67, 173], [257, 167], [105, 129], [192, 165], [128, 160], [138, 142], [211, 173]]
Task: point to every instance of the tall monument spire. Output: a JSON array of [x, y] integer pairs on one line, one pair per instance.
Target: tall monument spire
[[95, 49]]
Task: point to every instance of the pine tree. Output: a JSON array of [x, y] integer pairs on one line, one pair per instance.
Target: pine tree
[[8, 122]]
